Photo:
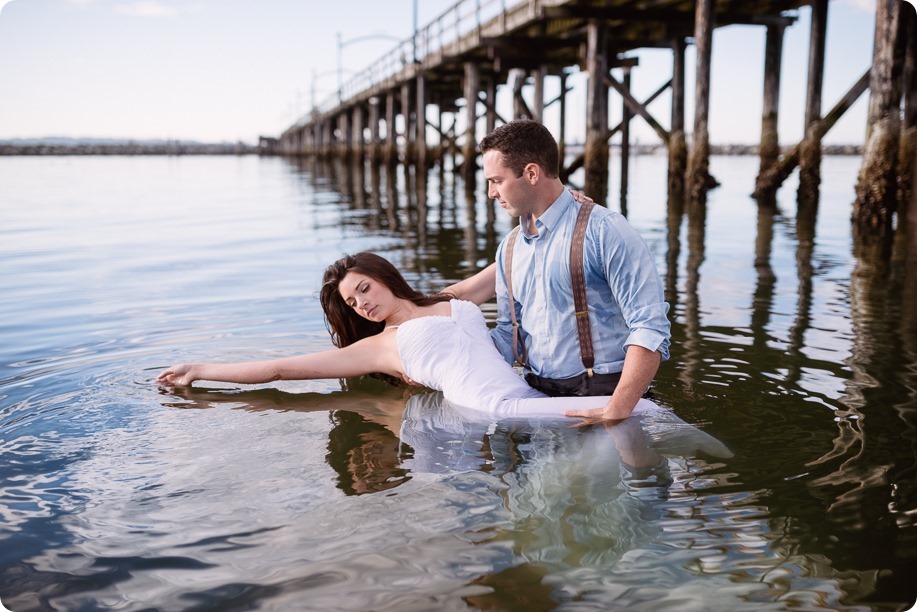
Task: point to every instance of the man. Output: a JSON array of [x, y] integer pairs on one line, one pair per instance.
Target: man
[[626, 307]]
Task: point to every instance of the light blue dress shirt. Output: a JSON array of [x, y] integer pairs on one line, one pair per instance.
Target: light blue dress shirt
[[623, 287]]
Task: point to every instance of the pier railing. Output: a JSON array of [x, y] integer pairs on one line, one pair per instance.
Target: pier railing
[[440, 38]]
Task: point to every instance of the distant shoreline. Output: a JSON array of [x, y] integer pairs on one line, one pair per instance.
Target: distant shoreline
[[125, 148], [101, 147]]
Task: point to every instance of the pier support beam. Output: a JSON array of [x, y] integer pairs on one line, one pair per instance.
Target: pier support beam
[[678, 151], [876, 185], [769, 150], [810, 153], [490, 119], [359, 142], [409, 124], [770, 180], [562, 134], [907, 154], [638, 109], [375, 144], [596, 145], [625, 141], [390, 153], [472, 85], [698, 177], [344, 142], [327, 136], [521, 110], [538, 98], [421, 129]]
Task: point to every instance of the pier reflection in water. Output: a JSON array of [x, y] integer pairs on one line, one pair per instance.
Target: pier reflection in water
[[793, 362]]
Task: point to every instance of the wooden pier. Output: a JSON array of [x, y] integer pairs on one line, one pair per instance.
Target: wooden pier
[[451, 68]]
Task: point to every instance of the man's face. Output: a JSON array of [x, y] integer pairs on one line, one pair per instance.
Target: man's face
[[513, 192]]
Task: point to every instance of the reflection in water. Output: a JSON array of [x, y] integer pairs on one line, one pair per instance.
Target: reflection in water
[[675, 210], [879, 398], [763, 298], [364, 454], [797, 355], [807, 212], [560, 512], [784, 359], [691, 370], [448, 236]]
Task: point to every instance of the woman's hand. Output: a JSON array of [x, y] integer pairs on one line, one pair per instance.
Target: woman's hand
[[178, 375], [580, 197]]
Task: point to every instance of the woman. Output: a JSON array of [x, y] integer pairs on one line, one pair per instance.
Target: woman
[[382, 325]]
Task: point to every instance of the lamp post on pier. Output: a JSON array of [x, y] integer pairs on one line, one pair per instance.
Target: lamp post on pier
[[346, 43]]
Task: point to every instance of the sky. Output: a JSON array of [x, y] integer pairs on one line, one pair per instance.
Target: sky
[[234, 70]]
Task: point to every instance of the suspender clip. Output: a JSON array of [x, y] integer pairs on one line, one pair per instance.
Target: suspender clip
[[589, 372]]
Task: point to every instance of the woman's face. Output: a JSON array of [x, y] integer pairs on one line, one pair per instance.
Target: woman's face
[[368, 297]]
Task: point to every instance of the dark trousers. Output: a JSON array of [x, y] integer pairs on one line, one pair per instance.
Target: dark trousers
[[583, 385]]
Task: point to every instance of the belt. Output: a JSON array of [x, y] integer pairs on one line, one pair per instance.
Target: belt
[[583, 385]]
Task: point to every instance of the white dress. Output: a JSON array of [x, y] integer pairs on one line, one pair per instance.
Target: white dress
[[454, 354]]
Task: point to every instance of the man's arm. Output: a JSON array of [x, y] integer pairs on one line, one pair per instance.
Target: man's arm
[[478, 288], [637, 288], [640, 367]]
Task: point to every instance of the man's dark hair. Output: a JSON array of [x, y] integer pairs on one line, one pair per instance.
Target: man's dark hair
[[524, 142]]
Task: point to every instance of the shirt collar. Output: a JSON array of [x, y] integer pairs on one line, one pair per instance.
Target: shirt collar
[[552, 216]]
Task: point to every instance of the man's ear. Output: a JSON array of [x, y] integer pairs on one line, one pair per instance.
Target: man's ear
[[532, 172]]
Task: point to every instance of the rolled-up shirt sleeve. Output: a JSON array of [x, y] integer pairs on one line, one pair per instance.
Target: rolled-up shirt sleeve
[[649, 338]]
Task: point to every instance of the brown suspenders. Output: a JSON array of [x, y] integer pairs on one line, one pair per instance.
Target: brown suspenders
[[577, 279], [518, 345]]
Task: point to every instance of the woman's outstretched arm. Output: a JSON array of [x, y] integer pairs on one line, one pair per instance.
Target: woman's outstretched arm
[[377, 353]]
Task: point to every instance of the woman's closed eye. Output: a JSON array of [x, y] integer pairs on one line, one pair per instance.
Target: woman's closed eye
[[363, 288]]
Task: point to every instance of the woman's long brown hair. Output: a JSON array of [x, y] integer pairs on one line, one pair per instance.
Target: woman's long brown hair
[[344, 324]]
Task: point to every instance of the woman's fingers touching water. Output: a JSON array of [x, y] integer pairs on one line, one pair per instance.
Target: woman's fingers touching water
[[176, 375]]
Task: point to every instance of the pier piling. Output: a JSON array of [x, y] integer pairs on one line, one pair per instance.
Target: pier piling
[[625, 140], [420, 134], [810, 151], [481, 48], [472, 85], [596, 152], [698, 179], [876, 189], [678, 149], [390, 152], [907, 155], [769, 150]]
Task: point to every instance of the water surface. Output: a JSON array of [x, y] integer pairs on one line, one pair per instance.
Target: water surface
[[793, 359]]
